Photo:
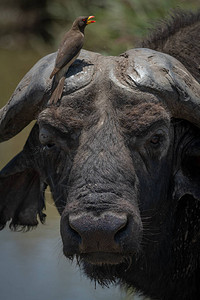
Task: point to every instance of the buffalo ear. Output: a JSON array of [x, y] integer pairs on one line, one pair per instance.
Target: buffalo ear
[[187, 179], [22, 195]]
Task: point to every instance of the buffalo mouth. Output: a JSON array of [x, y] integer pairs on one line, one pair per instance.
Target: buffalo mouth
[[102, 258], [104, 268]]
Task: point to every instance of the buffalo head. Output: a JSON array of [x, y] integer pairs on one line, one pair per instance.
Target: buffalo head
[[121, 155]]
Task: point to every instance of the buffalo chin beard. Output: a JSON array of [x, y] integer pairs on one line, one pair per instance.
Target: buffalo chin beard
[[103, 268]]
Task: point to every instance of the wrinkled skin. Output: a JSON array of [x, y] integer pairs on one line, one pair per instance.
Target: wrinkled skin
[[121, 154]]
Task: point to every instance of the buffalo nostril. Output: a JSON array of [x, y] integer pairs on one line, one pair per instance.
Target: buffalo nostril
[[74, 232], [98, 233], [122, 231]]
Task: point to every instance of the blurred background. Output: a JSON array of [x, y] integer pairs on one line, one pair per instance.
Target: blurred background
[[31, 264]]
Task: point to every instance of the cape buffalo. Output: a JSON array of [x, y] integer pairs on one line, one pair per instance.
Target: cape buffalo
[[121, 154]]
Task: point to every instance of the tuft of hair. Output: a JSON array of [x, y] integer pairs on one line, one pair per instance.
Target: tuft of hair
[[177, 20], [179, 37]]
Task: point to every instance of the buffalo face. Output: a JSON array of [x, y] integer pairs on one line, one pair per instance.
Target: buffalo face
[[116, 165]]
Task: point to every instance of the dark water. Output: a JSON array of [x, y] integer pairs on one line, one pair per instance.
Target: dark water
[[32, 265]]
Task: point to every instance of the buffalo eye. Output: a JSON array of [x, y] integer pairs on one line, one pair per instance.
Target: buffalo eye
[[155, 140], [158, 138]]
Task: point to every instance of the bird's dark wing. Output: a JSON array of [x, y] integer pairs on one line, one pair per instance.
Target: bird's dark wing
[[70, 47]]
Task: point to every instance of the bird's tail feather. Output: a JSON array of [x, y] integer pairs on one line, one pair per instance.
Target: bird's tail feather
[[57, 93]]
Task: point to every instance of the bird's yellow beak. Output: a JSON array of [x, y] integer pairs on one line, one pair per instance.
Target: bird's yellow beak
[[89, 20]]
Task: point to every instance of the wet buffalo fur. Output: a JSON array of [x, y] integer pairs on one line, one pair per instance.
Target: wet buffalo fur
[[133, 159]]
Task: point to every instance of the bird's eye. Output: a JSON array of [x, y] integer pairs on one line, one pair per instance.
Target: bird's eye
[[83, 20]]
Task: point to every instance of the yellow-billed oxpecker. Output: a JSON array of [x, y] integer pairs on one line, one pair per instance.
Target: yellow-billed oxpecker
[[67, 53]]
